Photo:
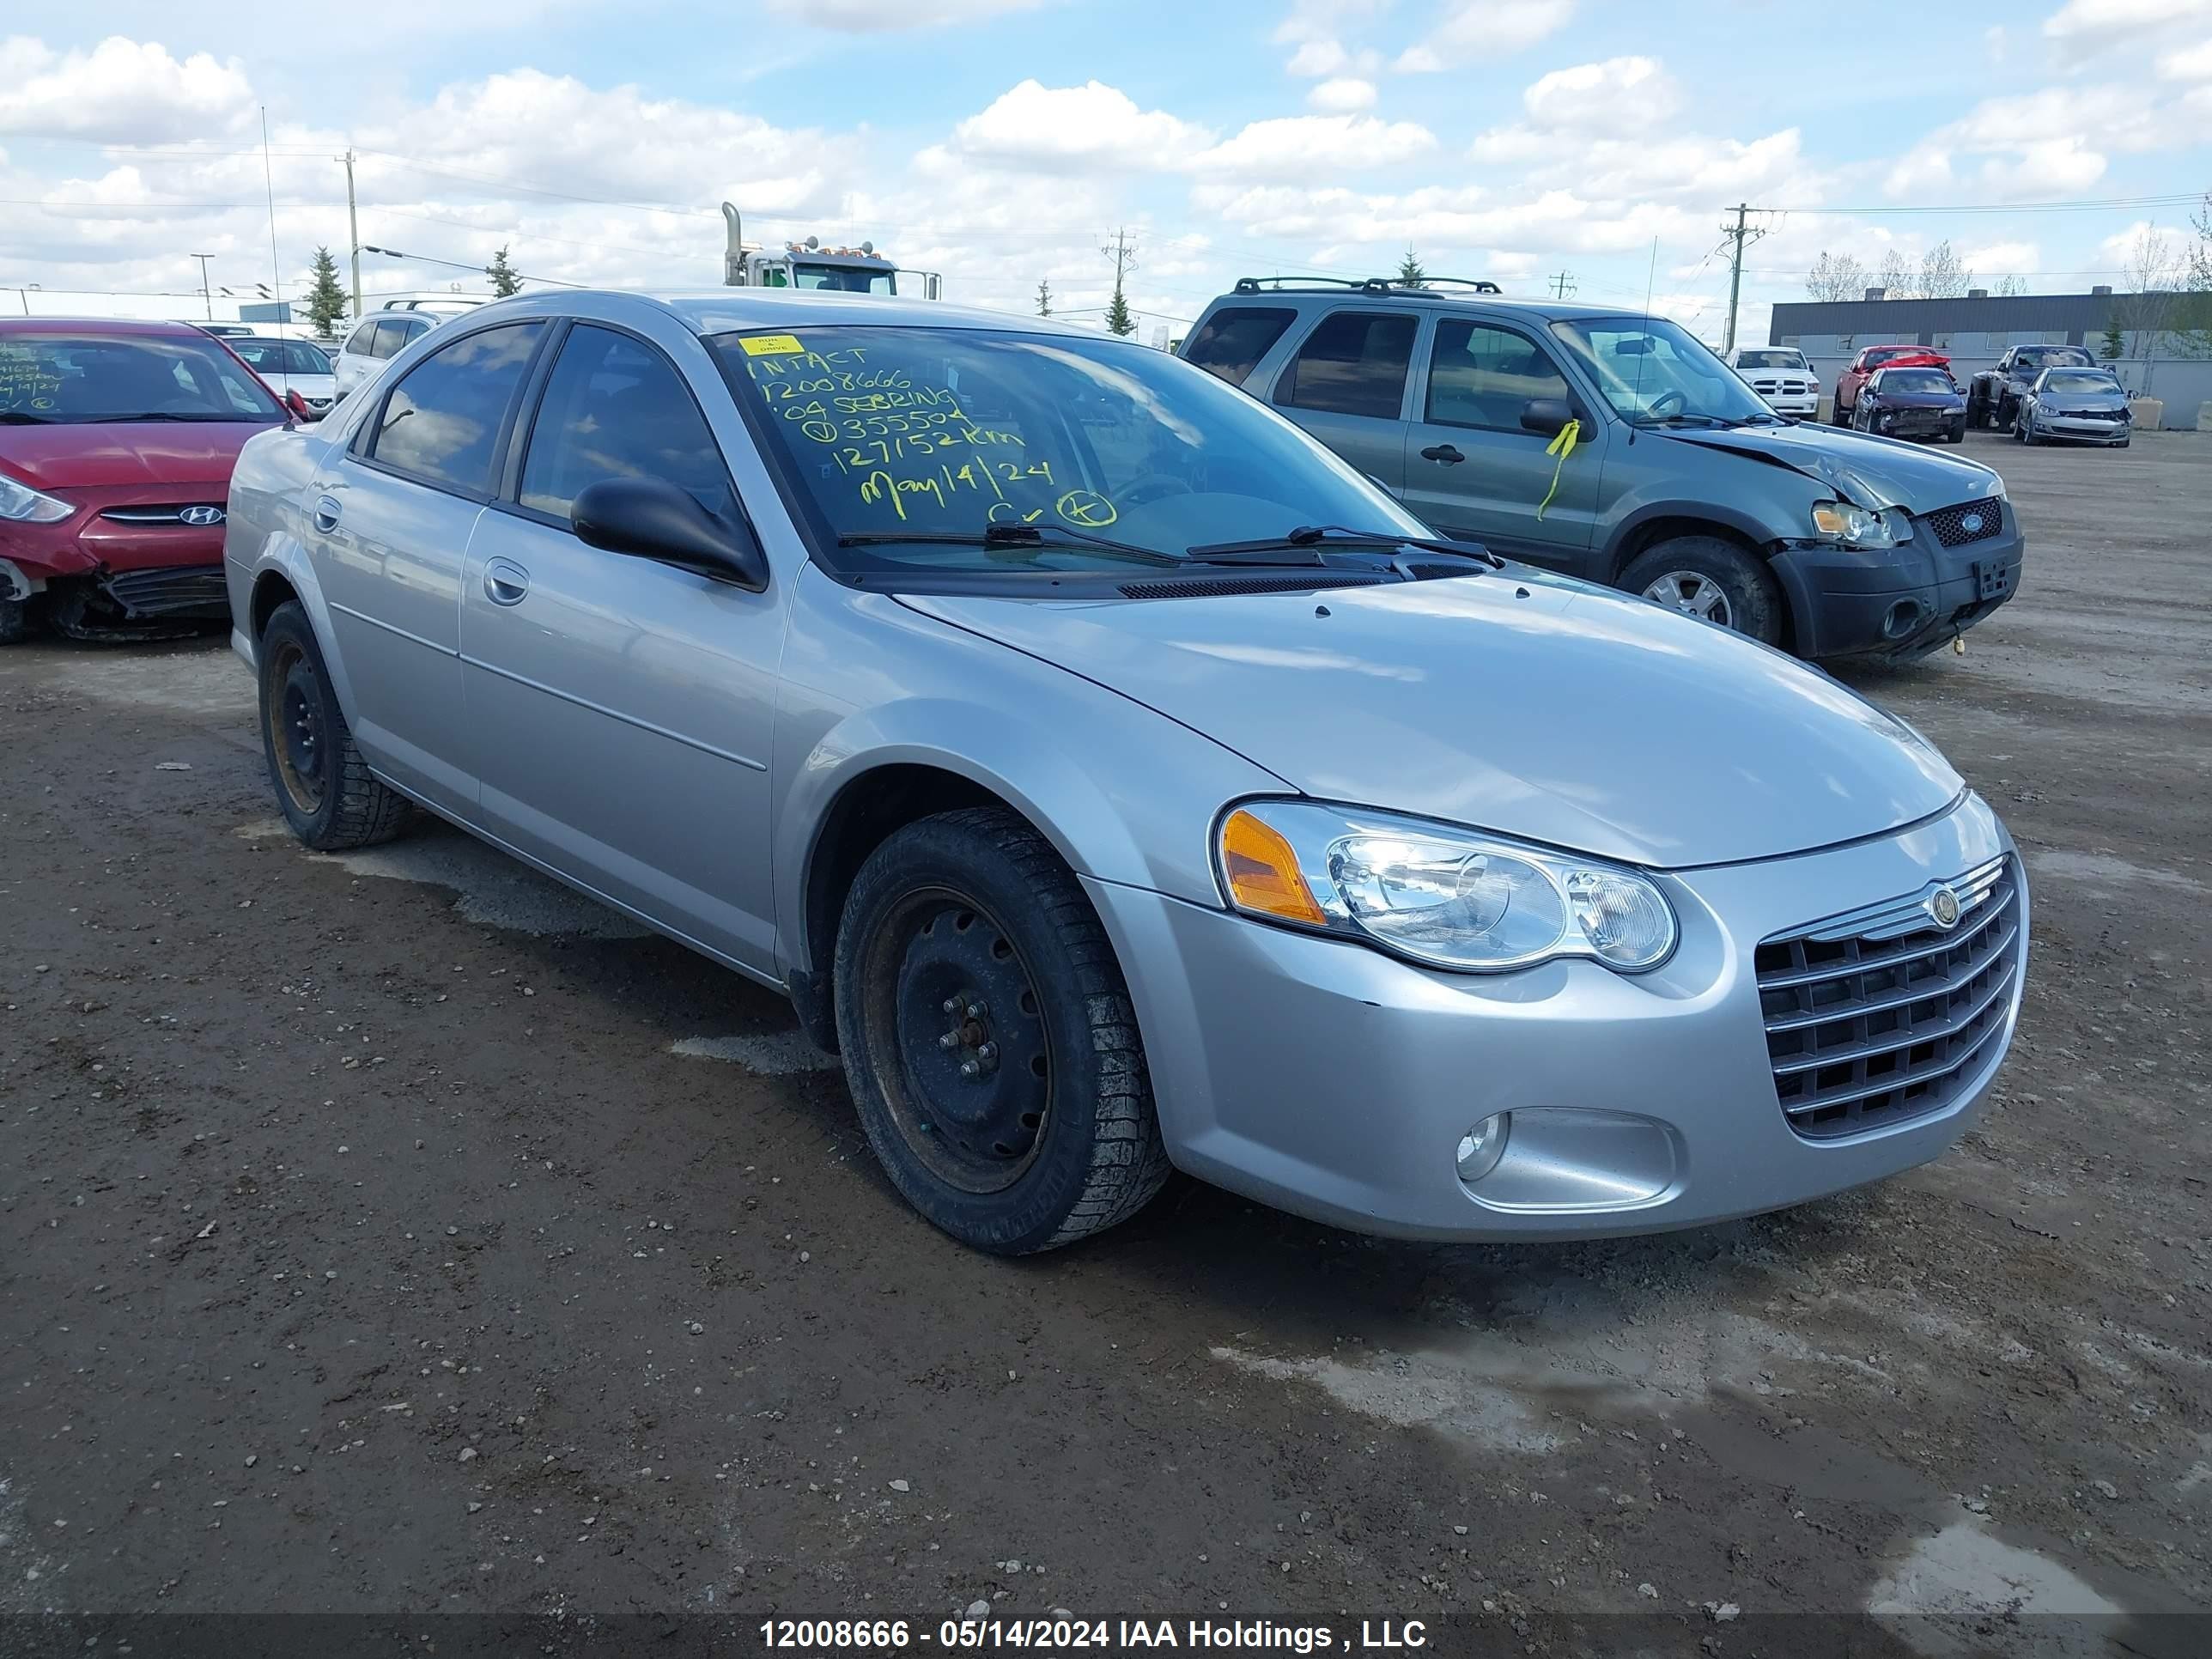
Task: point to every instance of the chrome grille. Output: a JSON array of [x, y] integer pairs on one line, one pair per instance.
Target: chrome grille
[[1949, 523], [1882, 1016], [164, 514]]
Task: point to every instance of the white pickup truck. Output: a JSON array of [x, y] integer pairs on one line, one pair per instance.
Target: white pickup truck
[[1781, 376]]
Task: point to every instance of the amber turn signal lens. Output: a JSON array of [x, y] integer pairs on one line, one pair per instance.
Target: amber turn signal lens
[[1263, 873]]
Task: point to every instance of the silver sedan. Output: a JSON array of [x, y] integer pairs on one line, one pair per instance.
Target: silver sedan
[[1118, 781]]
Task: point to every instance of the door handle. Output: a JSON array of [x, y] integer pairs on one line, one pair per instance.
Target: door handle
[[506, 582], [1444, 453], [327, 515]]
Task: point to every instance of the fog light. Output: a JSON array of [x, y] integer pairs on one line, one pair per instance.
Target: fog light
[[1480, 1147]]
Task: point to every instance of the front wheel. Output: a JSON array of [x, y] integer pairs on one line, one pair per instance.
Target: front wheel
[[14, 621], [989, 1039], [1713, 580], [323, 788]]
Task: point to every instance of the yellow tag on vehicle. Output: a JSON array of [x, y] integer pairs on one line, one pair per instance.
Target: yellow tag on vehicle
[[769, 345]]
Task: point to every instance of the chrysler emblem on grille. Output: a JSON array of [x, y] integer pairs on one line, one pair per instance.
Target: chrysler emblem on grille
[[201, 515], [1943, 908], [1970, 523]]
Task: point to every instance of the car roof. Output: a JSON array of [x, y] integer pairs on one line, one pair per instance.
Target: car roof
[[118, 327]]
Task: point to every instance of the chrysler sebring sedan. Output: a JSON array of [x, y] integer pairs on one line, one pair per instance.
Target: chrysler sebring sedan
[[1118, 781]]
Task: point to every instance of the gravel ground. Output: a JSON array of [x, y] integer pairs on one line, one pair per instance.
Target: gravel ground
[[399, 1234]]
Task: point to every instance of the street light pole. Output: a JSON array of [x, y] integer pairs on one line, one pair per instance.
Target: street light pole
[[206, 299], [353, 228]]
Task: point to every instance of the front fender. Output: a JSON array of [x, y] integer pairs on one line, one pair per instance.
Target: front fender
[[1124, 794], [263, 541]]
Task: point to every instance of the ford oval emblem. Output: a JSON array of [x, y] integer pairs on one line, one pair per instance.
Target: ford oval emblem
[[201, 515], [1971, 524], [1943, 908]]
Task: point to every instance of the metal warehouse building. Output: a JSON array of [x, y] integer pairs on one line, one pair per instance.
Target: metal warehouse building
[[1974, 331]]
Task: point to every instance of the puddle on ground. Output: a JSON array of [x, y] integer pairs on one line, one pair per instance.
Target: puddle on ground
[[774, 1054], [1939, 1597], [491, 888]]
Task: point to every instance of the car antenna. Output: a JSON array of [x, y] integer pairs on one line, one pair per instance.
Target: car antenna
[[1650, 273]]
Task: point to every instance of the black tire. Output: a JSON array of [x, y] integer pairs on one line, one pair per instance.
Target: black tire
[[1838, 415], [1055, 1137], [1973, 410], [323, 786], [1753, 601], [1958, 433], [14, 621]]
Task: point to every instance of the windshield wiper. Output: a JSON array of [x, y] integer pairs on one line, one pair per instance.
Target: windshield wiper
[[1012, 536], [1683, 417], [1309, 540], [24, 417]]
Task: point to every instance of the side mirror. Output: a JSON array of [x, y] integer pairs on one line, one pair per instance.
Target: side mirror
[[1547, 415], [298, 405], [651, 519]]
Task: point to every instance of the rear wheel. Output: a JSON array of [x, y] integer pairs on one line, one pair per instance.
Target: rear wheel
[[1713, 580], [323, 788], [990, 1040]]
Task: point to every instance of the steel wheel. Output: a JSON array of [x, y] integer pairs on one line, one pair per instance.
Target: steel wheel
[[295, 729], [948, 993], [1693, 595]]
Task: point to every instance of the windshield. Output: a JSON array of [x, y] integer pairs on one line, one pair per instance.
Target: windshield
[[1916, 379], [2079, 380], [75, 378], [916, 432], [1769, 360], [2049, 354], [843, 279], [1654, 371], [281, 356]]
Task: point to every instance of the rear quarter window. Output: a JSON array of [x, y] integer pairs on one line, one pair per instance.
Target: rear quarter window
[[1232, 341]]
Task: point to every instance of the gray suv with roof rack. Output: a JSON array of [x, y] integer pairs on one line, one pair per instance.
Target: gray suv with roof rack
[[1615, 446]]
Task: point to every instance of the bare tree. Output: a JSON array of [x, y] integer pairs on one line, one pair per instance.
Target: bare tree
[[2009, 286], [2192, 318], [1836, 276], [2153, 273], [1941, 275], [1896, 280]]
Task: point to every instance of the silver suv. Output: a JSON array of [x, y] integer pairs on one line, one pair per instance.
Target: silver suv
[[1679, 484], [1119, 781]]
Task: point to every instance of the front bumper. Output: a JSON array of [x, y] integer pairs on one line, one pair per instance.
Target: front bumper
[[1328, 1080], [1896, 603], [1917, 422], [2076, 430]]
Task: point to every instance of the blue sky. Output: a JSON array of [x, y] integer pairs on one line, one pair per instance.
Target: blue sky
[[1002, 141]]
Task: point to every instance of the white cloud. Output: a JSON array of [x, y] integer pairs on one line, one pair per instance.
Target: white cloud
[[1998, 260], [1305, 146], [1318, 58], [2050, 143], [886, 16], [1472, 29], [1342, 94], [2189, 63], [1043, 129], [123, 91], [2104, 20], [1621, 95]]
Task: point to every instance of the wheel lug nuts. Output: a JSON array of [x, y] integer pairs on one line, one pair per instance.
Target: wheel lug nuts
[[988, 1053], [977, 1010], [951, 1005], [950, 1040], [969, 1068]]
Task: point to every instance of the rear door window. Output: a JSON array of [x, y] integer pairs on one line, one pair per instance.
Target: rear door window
[[1235, 338], [441, 424], [1355, 363], [359, 342], [390, 334]]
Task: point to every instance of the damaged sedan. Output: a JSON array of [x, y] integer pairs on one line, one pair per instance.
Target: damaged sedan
[[116, 442]]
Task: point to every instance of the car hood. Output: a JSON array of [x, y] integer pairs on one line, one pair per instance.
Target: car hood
[[307, 385], [102, 454], [1865, 470], [1531, 705], [2113, 400]]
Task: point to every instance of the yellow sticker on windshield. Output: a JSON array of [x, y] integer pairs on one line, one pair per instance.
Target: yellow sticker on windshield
[[769, 345]]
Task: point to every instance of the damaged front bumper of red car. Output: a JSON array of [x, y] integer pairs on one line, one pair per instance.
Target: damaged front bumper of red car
[[118, 566]]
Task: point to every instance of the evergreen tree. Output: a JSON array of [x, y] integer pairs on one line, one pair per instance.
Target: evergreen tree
[[1044, 298], [1118, 319], [1410, 274], [2115, 342], [326, 302], [504, 281]]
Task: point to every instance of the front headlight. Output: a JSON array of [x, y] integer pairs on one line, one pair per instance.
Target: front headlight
[[1859, 526], [25, 505], [1449, 898]]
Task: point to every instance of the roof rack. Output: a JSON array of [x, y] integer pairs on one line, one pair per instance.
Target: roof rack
[[1358, 284]]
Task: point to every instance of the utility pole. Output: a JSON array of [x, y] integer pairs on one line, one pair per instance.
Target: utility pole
[[1125, 261], [353, 229], [206, 299], [1563, 285], [1044, 298], [1742, 236]]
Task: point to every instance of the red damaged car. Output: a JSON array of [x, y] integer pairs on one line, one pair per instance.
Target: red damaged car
[[1868, 359], [117, 441]]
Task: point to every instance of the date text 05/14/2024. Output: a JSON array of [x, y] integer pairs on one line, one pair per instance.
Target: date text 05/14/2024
[[1065, 1633]]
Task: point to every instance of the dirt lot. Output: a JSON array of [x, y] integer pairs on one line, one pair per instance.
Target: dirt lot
[[402, 1234]]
